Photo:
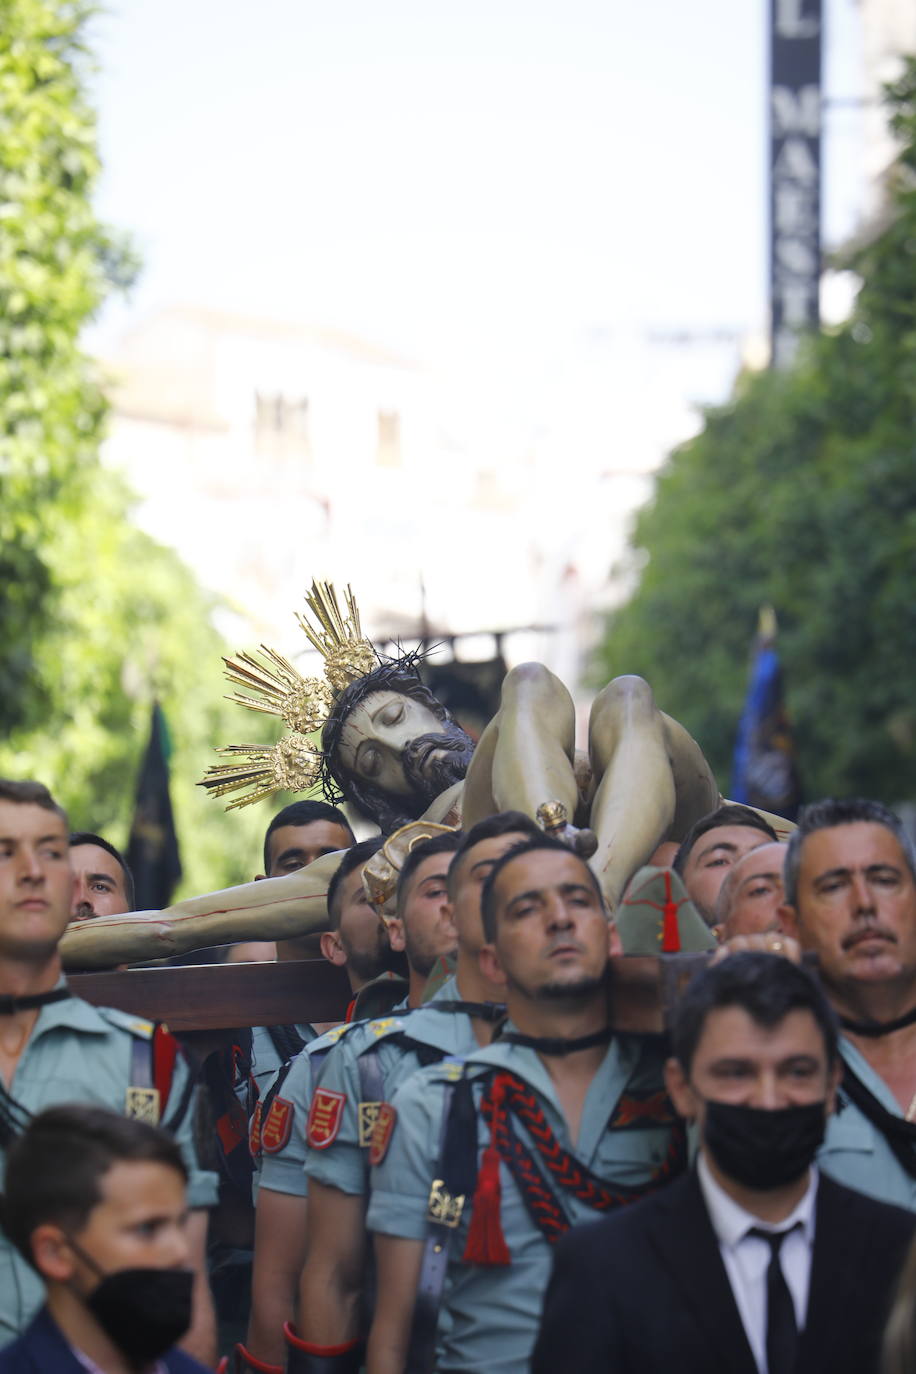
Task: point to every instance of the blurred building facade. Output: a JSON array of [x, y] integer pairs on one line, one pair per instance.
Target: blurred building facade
[[268, 453]]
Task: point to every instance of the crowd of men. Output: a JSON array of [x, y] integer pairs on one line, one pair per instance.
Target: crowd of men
[[476, 1169]]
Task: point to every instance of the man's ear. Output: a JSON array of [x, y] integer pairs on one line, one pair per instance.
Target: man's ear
[[332, 949], [614, 942], [490, 966], [788, 916], [396, 936], [53, 1256], [679, 1090]]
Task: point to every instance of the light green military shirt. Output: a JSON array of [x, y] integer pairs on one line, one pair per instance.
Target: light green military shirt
[[855, 1152], [265, 1060], [490, 1315], [342, 1117], [80, 1053], [282, 1160]]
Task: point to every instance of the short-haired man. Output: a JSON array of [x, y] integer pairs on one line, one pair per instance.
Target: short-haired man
[[278, 1133], [710, 848], [751, 897], [298, 835], [851, 898], [103, 885], [54, 1047], [751, 1262], [107, 1235], [550, 1125]]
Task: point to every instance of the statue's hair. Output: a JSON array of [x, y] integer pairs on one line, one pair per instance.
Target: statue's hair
[[398, 675]]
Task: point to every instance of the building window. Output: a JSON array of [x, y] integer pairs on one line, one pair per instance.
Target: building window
[[281, 425], [389, 439]]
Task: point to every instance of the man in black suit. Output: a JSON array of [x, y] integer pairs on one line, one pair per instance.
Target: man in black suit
[[752, 1263]]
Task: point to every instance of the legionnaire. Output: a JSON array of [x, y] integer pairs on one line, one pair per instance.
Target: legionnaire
[[103, 883], [850, 882], [713, 845], [56, 1048], [278, 1128], [460, 1016], [484, 1163]]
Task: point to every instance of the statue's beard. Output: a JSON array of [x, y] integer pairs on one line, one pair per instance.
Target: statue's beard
[[428, 773]]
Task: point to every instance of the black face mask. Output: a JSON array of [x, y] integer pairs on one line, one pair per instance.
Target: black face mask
[[142, 1311], [764, 1149]]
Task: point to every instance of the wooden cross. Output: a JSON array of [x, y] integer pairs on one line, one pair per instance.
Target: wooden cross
[[200, 997]]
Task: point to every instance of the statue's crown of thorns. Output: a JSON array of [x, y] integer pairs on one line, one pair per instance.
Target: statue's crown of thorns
[[303, 703]]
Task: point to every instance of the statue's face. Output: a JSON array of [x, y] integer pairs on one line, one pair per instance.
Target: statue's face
[[401, 747]]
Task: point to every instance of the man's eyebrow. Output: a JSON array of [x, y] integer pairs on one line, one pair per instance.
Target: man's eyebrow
[[432, 878], [719, 844], [844, 871], [770, 876], [101, 878], [294, 852]]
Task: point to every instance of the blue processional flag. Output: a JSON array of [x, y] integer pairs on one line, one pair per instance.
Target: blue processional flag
[[152, 850], [764, 772]]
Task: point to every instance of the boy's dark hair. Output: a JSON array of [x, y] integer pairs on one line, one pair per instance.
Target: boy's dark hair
[[359, 854], [86, 837], [530, 846], [55, 1168], [424, 849], [29, 794], [732, 813], [826, 815], [503, 823], [766, 986], [304, 813]]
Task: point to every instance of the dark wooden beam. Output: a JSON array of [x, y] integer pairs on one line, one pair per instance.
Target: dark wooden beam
[[223, 996]]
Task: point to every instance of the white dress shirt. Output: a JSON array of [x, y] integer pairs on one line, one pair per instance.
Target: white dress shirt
[[747, 1258]]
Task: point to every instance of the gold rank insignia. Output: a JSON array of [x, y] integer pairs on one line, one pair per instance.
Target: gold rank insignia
[[368, 1115], [442, 1207], [384, 1025], [142, 1104]]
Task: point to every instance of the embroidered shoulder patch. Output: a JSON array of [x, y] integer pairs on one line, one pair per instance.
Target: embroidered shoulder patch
[[643, 1109], [278, 1125], [325, 1116], [254, 1132], [382, 1131]]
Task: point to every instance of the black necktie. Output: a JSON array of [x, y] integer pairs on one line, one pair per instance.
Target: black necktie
[[782, 1329]]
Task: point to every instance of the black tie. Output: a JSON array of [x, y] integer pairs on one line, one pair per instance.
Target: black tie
[[782, 1329]]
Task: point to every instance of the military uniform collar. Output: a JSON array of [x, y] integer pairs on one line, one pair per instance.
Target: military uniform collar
[[73, 1014], [604, 1090]]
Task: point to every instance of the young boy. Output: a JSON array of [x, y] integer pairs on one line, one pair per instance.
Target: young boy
[[95, 1202]]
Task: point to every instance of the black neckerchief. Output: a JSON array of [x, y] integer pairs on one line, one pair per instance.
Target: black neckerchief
[[550, 1044], [9, 1006], [874, 1029], [485, 1011]]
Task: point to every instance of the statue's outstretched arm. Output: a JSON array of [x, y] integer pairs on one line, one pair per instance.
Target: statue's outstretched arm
[[273, 909]]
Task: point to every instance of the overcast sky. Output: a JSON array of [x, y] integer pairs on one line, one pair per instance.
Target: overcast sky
[[479, 183]]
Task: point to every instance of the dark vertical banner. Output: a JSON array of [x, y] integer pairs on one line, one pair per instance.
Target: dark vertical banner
[[796, 32], [152, 850]]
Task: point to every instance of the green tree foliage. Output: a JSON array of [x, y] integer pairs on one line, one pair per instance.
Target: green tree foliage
[[94, 616], [800, 492]]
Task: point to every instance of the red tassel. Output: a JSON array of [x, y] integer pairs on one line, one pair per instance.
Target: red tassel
[[486, 1242], [671, 935]]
